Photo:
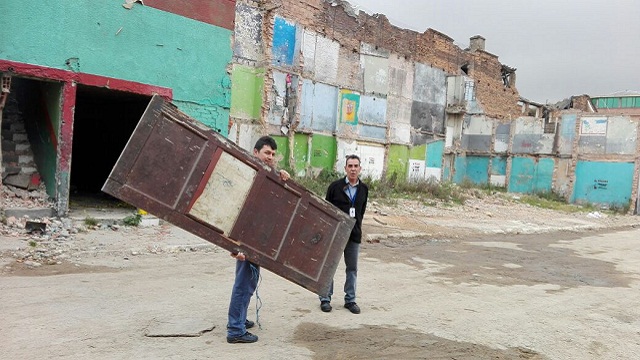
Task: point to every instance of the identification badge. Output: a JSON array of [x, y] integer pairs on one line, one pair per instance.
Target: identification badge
[[352, 212]]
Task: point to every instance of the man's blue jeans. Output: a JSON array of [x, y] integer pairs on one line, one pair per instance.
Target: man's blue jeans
[[247, 275], [351, 261]]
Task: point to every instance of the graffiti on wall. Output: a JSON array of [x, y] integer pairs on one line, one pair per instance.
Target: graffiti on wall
[[349, 104]]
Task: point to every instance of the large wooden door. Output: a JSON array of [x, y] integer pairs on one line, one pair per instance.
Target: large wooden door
[[189, 175]]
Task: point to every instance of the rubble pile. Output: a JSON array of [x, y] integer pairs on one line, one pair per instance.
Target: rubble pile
[[14, 197]]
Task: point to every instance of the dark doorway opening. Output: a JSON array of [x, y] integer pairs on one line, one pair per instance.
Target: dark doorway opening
[[104, 120]]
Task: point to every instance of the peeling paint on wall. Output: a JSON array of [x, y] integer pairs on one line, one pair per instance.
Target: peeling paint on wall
[[309, 52], [477, 133], [326, 65], [376, 70], [372, 110], [248, 33], [284, 42], [429, 100], [567, 134], [319, 106], [283, 100], [529, 137], [399, 119], [622, 135]]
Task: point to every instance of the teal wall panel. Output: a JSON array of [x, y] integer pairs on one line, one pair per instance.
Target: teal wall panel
[[531, 175], [144, 45], [434, 154], [603, 183], [499, 166], [478, 169]]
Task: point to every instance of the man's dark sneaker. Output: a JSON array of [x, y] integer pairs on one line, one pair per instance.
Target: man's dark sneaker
[[353, 307], [243, 339], [249, 324], [325, 306]]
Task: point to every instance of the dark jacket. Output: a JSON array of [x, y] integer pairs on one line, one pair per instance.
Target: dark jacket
[[337, 196]]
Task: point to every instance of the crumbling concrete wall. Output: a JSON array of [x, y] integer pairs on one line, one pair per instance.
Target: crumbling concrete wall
[[389, 83]]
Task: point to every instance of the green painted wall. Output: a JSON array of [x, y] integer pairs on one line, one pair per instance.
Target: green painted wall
[[418, 152], [283, 151], [143, 44], [398, 161], [323, 152], [300, 153], [246, 92]]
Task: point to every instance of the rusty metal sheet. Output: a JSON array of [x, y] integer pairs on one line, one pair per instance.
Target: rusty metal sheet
[[189, 175]]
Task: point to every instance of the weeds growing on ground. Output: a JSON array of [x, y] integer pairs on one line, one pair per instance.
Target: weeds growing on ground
[[132, 220], [89, 221], [393, 188]]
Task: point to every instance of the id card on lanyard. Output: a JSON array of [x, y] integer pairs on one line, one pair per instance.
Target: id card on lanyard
[[352, 198]]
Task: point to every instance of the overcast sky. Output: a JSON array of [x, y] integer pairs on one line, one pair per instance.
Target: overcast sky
[[560, 48]]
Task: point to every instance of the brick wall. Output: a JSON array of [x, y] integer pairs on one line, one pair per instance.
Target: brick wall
[[431, 47], [17, 156]]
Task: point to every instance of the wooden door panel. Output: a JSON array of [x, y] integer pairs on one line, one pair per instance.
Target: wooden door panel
[[191, 176]]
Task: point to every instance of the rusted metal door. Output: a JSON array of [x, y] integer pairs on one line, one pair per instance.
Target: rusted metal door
[[189, 175]]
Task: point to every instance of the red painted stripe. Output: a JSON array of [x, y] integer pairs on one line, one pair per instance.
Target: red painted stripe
[[220, 13], [41, 72], [66, 127]]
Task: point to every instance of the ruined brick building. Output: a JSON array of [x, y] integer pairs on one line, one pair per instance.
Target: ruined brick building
[[324, 80]]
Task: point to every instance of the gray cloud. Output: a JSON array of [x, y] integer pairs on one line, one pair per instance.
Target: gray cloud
[[560, 48]]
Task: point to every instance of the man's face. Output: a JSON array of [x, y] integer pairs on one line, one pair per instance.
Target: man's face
[[352, 169], [266, 154]]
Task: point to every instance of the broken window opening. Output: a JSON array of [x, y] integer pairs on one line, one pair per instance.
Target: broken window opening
[[508, 76], [465, 69]]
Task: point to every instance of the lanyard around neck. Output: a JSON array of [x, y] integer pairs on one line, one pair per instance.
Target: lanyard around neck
[[352, 197]]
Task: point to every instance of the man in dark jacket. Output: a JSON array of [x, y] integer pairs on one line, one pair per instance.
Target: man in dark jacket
[[350, 195]]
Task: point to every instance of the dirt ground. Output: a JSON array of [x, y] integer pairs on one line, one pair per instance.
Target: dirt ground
[[493, 279]]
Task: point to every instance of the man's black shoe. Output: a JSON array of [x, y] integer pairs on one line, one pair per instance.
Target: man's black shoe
[[353, 307], [242, 339], [325, 306], [249, 324]]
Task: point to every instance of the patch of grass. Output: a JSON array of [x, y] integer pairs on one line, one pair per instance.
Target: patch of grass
[[89, 221], [318, 185], [33, 243], [553, 201], [132, 220]]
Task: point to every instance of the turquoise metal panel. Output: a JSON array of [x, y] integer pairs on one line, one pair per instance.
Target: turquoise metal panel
[[530, 175], [478, 169], [603, 183], [434, 154], [460, 169], [499, 166]]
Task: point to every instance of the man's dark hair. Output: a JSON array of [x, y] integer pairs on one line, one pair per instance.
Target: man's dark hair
[[266, 140], [352, 156]]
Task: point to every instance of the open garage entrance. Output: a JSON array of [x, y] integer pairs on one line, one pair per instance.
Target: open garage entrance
[[104, 120]]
